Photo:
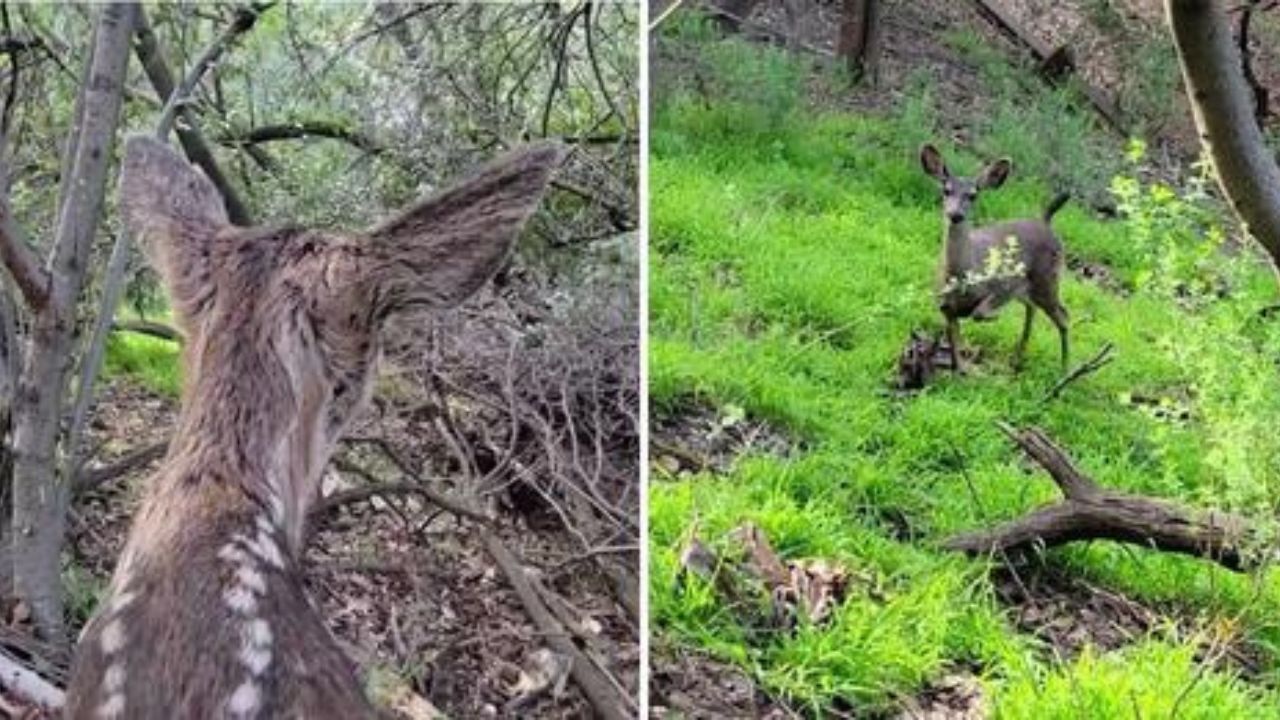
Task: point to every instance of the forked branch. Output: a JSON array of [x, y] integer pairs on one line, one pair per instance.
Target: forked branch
[[1091, 512]]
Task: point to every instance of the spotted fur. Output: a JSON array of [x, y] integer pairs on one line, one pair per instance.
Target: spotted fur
[[208, 617]]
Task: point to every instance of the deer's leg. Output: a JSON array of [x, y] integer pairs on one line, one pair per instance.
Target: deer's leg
[[1021, 349], [953, 339], [1058, 314]]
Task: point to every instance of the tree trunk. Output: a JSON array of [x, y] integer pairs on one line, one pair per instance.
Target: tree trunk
[[40, 496], [10, 359], [859, 40], [1224, 113]]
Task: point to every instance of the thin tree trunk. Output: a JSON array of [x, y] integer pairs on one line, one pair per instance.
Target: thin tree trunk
[[10, 358], [1224, 113], [859, 40], [40, 496]]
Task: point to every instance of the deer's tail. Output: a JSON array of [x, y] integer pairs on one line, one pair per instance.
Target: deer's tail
[[1055, 205]]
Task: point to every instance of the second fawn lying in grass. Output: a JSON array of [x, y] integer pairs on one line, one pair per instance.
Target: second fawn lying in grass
[[984, 268]]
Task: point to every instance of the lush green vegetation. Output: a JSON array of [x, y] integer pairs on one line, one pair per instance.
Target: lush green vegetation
[[792, 252], [150, 361]]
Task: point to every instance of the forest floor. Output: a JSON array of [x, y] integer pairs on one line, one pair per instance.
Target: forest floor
[[410, 592], [793, 246]]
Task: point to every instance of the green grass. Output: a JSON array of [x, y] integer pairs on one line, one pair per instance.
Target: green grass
[[153, 362], [791, 255]]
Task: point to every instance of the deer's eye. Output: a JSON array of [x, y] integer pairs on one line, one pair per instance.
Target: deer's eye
[[971, 195]]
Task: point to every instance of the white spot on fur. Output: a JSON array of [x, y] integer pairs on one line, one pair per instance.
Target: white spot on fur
[[112, 708], [265, 548], [268, 550], [251, 580], [277, 508], [258, 632], [231, 553], [245, 701], [264, 524], [256, 659], [113, 638], [114, 678], [241, 600]]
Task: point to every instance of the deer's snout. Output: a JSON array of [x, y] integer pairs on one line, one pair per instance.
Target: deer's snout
[[955, 208]]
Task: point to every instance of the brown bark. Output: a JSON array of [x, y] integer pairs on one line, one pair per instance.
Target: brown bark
[[1224, 113], [859, 40], [40, 497], [1090, 512]]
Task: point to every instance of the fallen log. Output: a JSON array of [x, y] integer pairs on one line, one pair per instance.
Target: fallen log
[[1053, 63], [1091, 512]]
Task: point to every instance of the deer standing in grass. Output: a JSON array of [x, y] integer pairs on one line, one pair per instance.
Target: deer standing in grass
[[983, 269], [206, 616]]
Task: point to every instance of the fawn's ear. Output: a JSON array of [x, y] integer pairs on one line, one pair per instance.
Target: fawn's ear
[[931, 161], [174, 213], [438, 252], [994, 175]]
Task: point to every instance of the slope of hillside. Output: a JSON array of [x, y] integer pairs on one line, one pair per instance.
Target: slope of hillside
[[792, 254]]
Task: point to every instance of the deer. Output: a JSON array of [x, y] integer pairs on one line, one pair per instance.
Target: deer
[[206, 614], [982, 269]]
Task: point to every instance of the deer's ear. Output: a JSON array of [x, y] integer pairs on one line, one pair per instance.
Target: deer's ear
[[438, 252], [931, 161], [994, 175], [174, 213]]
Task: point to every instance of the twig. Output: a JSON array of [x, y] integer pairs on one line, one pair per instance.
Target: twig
[[1094, 364], [599, 689], [26, 684], [244, 21]]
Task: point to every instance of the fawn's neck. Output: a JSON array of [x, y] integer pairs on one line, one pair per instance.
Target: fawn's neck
[[266, 440], [956, 254]]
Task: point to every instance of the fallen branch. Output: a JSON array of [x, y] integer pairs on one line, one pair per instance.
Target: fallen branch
[[152, 329], [135, 459], [27, 685], [1053, 62], [602, 692], [1092, 365], [1091, 512]]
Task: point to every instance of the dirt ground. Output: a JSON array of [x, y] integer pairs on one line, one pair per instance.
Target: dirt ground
[[410, 592]]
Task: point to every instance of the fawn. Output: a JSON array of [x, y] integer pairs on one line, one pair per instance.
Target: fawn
[[206, 615], [984, 268]]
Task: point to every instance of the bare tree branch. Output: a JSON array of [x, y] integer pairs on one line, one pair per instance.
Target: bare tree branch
[[198, 151], [244, 21], [304, 129], [30, 277]]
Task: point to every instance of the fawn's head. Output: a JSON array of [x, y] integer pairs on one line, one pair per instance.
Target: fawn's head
[[283, 324], [959, 194]]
